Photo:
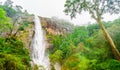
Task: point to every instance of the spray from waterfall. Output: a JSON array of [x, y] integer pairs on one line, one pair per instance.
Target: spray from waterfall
[[38, 47]]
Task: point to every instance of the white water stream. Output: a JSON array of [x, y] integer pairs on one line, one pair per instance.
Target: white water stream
[[38, 47]]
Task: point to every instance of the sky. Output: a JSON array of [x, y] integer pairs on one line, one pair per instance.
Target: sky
[[50, 8]]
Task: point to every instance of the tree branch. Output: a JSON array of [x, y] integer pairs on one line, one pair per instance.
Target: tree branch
[[102, 8], [92, 13]]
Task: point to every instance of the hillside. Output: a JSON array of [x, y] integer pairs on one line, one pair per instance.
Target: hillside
[[33, 42]]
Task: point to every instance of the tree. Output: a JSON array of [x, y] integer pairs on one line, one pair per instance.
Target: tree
[[96, 9], [19, 8], [4, 22], [8, 3], [10, 12]]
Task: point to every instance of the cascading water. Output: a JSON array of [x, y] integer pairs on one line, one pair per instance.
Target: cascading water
[[38, 47]]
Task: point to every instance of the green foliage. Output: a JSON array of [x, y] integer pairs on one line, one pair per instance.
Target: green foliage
[[94, 28], [80, 34], [10, 12], [76, 62], [109, 64], [35, 67], [95, 7], [13, 55], [4, 21], [10, 62], [57, 56], [86, 48], [24, 25], [67, 43], [114, 31], [72, 63]]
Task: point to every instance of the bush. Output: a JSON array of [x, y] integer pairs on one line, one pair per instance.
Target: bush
[[13, 55], [109, 64], [56, 57], [11, 62]]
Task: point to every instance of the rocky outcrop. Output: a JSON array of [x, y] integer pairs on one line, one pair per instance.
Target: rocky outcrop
[[28, 18], [55, 26], [26, 35]]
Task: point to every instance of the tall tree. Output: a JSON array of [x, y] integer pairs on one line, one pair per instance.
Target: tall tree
[[96, 8]]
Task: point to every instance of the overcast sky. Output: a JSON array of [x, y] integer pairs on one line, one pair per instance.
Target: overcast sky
[[49, 8]]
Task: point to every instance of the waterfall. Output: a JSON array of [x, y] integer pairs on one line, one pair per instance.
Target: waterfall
[[38, 47]]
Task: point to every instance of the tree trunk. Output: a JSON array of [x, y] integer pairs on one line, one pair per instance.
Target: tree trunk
[[107, 36]]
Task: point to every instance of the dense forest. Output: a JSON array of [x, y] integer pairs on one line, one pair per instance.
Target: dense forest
[[13, 53], [86, 48], [78, 48]]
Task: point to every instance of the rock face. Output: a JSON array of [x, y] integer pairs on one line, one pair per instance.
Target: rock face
[[49, 26], [26, 35], [55, 26], [28, 18]]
